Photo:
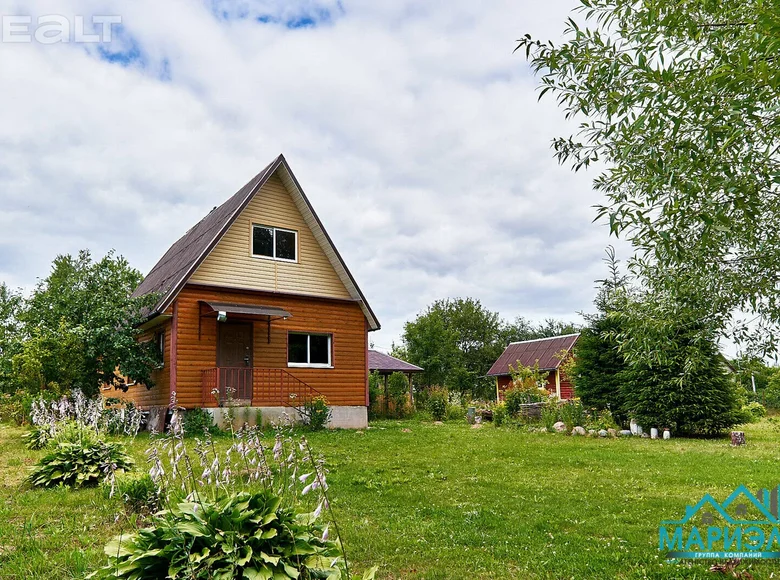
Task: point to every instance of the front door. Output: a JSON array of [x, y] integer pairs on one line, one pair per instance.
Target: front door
[[234, 359]]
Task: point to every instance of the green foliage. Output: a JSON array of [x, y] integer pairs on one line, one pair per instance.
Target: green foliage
[[319, 413], [599, 420], [244, 535], [17, 407], [78, 327], [550, 415], [140, 494], [80, 463], [751, 413], [38, 437], [680, 107], [455, 413], [197, 421], [599, 365], [685, 388], [457, 340], [772, 391], [527, 386], [10, 305], [572, 413], [438, 399], [500, 414]]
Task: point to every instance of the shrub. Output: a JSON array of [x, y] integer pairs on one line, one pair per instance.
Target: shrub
[[550, 414], [140, 494], [572, 413], [601, 420], [772, 392], [244, 535], [438, 399], [196, 422], [756, 409], [499, 414], [514, 399], [80, 463], [319, 413], [455, 413]]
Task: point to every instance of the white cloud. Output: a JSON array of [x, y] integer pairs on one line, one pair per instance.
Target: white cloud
[[413, 128]]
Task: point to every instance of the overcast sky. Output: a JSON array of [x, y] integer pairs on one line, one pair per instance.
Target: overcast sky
[[413, 128]]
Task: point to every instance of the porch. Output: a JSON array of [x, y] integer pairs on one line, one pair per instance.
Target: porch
[[255, 387]]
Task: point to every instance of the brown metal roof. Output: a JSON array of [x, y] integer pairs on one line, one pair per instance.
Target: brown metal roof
[[530, 351], [171, 273], [379, 361]]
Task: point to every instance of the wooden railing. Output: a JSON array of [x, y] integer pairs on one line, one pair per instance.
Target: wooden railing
[[263, 387]]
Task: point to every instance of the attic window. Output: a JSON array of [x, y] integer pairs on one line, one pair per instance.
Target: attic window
[[275, 243]]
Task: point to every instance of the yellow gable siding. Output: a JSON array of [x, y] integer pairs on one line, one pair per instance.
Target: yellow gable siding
[[231, 262]]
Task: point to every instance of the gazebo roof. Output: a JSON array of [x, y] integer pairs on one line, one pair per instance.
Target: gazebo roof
[[384, 363]]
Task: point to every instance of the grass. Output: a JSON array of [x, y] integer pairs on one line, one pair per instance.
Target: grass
[[446, 501]]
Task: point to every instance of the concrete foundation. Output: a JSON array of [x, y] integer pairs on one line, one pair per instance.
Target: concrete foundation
[[341, 417]]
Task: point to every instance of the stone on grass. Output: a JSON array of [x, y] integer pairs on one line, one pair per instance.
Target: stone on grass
[[625, 433], [438, 423], [578, 431], [560, 427], [611, 432], [476, 426], [603, 433], [591, 432], [406, 430]]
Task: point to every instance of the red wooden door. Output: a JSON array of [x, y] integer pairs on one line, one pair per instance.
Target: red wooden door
[[234, 359]]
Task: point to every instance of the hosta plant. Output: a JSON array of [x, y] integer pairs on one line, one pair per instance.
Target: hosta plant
[[244, 535], [75, 464], [38, 437], [255, 510]]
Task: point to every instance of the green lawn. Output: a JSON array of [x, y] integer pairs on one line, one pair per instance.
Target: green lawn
[[447, 501]]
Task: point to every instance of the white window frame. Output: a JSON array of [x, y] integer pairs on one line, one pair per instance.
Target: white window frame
[[308, 335], [274, 229]]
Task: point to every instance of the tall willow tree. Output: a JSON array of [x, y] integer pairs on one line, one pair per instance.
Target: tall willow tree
[[679, 104]]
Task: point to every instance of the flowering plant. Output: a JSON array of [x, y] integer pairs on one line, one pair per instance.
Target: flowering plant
[[255, 510]]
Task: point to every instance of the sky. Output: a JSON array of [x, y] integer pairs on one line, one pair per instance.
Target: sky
[[412, 126]]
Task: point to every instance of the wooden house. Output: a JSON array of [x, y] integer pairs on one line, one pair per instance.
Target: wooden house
[[257, 309], [548, 352]]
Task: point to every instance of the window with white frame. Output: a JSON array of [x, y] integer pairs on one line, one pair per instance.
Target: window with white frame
[[274, 243], [308, 349]]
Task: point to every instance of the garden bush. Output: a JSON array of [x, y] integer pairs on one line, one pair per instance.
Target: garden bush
[[550, 414], [319, 413], [455, 413], [244, 535], [500, 414], [198, 421], [438, 400], [572, 414], [80, 463], [249, 511], [756, 409], [599, 420], [140, 494]]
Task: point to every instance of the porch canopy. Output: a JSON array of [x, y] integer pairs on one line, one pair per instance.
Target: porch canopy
[[385, 365], [268, 313], [251, 309]]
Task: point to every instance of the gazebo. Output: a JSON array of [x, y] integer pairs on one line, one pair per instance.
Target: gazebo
[[386, 365]]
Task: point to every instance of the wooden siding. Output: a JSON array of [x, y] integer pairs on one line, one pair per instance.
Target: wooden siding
[[231, 263], [160, 393], [344, 384]]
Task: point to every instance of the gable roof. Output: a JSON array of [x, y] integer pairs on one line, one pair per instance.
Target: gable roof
[[529, 351], [179, 263], [379, 361]]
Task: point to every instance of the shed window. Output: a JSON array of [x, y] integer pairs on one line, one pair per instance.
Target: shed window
[[275, 243], [308, 350]]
